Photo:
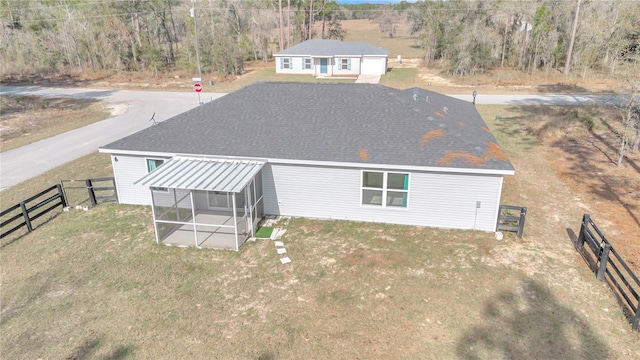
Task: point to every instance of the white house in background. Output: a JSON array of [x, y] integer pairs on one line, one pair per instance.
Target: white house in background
[[332, 58], [359, 152]]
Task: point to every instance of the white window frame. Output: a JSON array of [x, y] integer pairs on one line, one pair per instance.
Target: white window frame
[[385, 189], [287, 63], [345, 64], [146, 163], [308, 63]]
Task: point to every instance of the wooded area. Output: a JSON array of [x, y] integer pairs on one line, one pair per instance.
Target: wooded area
[[72, 36]]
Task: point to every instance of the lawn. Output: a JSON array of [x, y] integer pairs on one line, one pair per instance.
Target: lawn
[[95, 285], [267, 72]]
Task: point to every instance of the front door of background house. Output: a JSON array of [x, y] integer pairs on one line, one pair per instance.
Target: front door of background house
[[323, 66]]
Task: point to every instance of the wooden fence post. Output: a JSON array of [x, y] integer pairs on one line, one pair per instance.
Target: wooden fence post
[[92, 194], [63, 198], [25, 213], [523, 215], [582, 227], [604, 259]]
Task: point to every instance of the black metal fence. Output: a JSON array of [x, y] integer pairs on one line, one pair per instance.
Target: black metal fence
[[93, 191], [90, 191], [25, 212], [511, 218], [609, 266]]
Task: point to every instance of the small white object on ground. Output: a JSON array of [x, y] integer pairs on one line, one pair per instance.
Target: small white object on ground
[[281, 251], [499, 235], [278, 243], [285, 260], [277, 233]]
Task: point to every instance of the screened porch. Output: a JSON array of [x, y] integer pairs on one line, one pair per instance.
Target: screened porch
[[206, 203]]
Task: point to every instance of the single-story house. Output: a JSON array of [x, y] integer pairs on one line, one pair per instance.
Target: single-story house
[[359, 152], [332, 58]]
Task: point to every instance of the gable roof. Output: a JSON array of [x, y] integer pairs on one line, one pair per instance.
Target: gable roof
[[328, 48], [329, 122]]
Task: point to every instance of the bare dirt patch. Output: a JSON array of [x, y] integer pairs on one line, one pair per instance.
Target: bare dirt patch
[[26, 119]]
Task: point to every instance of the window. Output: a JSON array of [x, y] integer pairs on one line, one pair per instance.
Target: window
[[285, 63], [153, 164], [307, 63], [385, 189], [345, 64]]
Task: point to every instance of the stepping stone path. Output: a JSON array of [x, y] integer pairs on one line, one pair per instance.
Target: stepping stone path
[[280, 249]]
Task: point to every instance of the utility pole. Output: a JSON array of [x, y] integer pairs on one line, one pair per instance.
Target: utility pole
[[281, 25], [195, 24], [567, 65]]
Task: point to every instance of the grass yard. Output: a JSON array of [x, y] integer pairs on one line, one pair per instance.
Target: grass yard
[[95, 285], [27, 119], [266, 72]]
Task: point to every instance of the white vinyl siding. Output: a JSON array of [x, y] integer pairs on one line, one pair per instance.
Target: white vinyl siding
[[295, 65], [436, 199], [127, 170], [346, 65], [445, 200]]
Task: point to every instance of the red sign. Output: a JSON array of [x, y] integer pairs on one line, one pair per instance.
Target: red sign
[[197, 87]]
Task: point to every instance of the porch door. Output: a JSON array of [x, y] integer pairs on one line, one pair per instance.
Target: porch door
[[323, 66], [219, 200]]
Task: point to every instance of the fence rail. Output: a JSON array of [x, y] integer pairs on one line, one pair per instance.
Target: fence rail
[[54, 197], [98, 190], [507, 221], [611, 268], [22, 214]]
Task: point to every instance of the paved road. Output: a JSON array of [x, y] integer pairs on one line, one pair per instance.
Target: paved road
[[34, 159], [31, 160], [542, 99]]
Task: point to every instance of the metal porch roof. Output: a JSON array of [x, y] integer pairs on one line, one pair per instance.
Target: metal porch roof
[[203, 174]]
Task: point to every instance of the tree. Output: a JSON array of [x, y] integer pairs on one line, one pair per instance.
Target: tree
[[630, 122], [388, 18], [567, 64]]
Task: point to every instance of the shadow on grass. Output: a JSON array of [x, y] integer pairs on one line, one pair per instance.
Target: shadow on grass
[[561, 88], [530, 323], [23, 232], [592, 262], [582, 161]]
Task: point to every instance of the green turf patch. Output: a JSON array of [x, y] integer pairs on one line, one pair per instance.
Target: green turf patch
[[264, 232]]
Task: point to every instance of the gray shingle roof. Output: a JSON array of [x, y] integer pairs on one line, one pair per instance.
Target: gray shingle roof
[[355, 123], [327, 47]]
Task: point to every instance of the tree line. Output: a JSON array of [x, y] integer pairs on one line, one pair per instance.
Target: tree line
[[468, 37], [528, 35], [157, 35]]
